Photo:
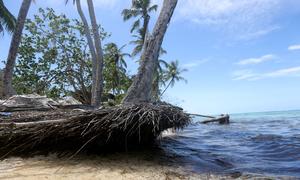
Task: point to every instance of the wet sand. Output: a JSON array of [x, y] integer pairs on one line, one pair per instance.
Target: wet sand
[[94, 167]]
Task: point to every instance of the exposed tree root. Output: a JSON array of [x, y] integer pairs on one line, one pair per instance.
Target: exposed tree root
[[118, 127]]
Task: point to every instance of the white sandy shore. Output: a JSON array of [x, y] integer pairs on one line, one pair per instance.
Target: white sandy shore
[[97, 167]]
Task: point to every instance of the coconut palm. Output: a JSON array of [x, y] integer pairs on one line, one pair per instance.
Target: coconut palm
[[141, 10], [96, 100], [138, 42], [173, 74], [7, 20], [95, 50], [13, 50], [119, 56], [116, 63], [141, 89]]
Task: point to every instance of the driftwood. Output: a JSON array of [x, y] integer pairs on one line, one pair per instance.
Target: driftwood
[[122, 127], [199, 115], [224, 119]]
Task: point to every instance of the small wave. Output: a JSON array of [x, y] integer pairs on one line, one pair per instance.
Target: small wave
[[266, 137], [253, 144]]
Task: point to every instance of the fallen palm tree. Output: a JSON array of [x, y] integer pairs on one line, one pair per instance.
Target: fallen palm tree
[[122, 126]]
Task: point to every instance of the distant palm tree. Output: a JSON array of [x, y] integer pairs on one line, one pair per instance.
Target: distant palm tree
[[118, 55], [7, 20], [173, 74], [141, 10], [117, 58], [13, 50], [138, 42]]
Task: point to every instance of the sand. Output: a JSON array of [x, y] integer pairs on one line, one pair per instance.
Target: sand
[[116, 167]]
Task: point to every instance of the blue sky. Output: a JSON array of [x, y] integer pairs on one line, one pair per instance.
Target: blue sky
[[242, 55]]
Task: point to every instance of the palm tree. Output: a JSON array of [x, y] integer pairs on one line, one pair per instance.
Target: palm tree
[[96, 100], [95, 49], [7, 20], [141, 88], [117, 58], [13, 50], [173, 74], [138, 42], [141, 10]]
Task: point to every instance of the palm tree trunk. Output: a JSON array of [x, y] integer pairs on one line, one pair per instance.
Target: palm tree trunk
[[167, 87], [96, 100], [155, 84], [13, 50], [140, 90], [145, 27], [91, 47]]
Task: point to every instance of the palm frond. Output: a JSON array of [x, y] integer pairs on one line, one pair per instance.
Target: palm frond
[[66, 1], [7, 20], [137, 50], [153, 8], [1, 28], [165, 63], [129, 13], [162, 51], [135, 25]]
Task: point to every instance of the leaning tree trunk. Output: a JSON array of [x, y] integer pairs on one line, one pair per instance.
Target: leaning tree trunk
[[96, 100], [155, 84], [167, 87], [91, 47], [140, 90], [13, 50]]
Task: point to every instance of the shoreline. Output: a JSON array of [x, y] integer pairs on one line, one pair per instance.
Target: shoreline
[[134, 166]]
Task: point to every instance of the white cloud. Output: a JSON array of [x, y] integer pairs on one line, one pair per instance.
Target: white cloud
[[294, 71], [251, 76], [258, 33], [244, 75], [294, 47], [194, 64], [258, 60], [244, 19]]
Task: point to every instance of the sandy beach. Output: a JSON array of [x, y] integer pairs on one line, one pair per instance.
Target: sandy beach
[[94, 167]]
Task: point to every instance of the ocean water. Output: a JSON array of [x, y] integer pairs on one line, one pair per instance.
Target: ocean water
[[265, 143]]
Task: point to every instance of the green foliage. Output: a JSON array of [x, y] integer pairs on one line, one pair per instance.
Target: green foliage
[[117, 81], [54, 59]]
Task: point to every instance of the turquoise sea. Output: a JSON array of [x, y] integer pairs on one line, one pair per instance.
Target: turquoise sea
[[264, 143]]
